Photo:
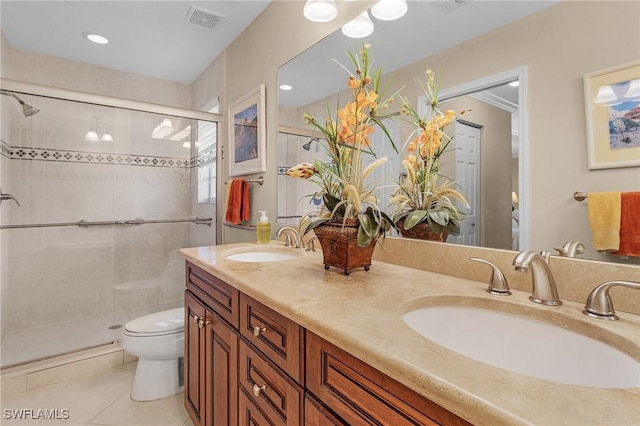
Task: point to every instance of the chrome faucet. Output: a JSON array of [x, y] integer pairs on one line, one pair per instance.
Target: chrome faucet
[[544, 286], [498, 284], [310, 244], [570, 249], [292, 236], [599, 304]]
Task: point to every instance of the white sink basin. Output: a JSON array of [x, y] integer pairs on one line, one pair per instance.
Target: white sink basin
[[260, 256], [527, 346]]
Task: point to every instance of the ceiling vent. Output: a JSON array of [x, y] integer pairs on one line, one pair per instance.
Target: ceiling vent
[[448, 6], [203, 18]]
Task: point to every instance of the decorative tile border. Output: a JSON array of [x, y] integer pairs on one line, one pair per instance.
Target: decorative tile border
[[71, 156], [282, 170]]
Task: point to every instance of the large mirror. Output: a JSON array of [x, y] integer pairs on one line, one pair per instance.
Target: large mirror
[[499, 109]]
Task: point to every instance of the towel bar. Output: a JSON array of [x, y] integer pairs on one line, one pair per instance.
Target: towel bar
[[259, 181], [580, 196]]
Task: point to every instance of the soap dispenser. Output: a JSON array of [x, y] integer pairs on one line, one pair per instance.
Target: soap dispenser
[[263, 228]]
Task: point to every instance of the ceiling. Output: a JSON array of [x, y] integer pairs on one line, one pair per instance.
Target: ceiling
[[153, 38], [149, 38]]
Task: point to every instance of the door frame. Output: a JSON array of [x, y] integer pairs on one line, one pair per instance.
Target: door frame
[[519, 73]]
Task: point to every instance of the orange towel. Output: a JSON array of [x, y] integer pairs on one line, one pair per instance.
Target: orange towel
[[234, 201], [629, 224], [245, 209], [603, 209], [238, 207]]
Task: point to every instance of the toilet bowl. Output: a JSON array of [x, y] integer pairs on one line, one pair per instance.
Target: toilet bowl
[[158, 342]]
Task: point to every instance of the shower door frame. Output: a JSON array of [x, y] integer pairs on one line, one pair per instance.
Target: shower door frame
[[44, 91]]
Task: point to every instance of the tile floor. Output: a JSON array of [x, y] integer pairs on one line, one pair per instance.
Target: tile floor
[[99, 399]]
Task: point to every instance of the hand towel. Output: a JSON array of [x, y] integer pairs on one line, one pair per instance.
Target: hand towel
[[604, 217], [234, 203], [245, 209], [629, 224]]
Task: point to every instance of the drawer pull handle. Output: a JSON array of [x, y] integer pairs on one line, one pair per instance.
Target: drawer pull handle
[[200, 321], [257, 389], [257, 330]]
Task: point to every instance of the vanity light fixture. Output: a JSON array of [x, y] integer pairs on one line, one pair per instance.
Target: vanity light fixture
[[182, 134], [162, 130], [96, 38], [605, 95], [634, 89], [320, 10], [360, 26], [93, 136], [286, 87], [389, 10]]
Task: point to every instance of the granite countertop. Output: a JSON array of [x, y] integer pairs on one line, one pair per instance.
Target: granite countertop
[[362, 314]]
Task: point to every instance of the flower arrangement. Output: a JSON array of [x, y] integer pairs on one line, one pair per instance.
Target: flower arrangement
[[347, 194], [422, 194]]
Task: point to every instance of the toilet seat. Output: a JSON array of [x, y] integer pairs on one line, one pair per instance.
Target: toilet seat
[[157, 324]]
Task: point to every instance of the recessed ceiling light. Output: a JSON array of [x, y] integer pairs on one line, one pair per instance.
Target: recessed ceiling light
[[286, 87], [96, 38], [514, 83]]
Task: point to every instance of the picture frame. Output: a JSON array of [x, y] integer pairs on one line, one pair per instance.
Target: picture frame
[[247, 134], [612, 108]]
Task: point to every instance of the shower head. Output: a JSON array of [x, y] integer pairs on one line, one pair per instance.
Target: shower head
[[307, 146], [27, 109]]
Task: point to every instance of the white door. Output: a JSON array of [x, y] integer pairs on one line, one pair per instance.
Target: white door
[[386, 175], [467, 142]]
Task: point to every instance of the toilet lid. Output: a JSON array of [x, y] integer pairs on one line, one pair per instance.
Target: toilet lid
[[165, 322]]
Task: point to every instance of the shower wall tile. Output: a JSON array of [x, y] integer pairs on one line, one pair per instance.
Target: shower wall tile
[[78, 191]]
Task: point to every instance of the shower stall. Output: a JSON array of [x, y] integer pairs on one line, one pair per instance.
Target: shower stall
[[97, 195]]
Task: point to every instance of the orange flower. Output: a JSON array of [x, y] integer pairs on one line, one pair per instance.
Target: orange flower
[[353, 82]]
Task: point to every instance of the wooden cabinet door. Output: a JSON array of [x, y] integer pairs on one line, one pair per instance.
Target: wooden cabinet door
[[194, 359], [221, 372]]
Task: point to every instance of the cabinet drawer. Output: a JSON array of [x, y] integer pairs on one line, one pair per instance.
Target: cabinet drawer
[[361, 394], [277, 396], [217, 294], [279, 338]]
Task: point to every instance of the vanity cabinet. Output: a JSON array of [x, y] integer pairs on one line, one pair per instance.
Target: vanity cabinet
[[247, 364], [211, 350], [360, 394]]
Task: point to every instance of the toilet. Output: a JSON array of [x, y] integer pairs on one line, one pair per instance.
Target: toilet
[[158, 342]]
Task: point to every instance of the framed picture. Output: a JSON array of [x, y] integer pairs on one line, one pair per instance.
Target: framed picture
[[612, 107], [247, 145]]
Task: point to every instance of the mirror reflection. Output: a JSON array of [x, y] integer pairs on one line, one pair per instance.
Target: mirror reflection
[[503, 216]]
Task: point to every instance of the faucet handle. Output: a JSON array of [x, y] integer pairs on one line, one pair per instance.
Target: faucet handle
[[498, 284], [599, 304]]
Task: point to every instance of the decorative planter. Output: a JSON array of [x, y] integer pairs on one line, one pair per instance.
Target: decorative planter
[[421, 231], [340, 246]]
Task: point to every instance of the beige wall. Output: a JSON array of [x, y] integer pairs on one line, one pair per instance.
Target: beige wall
[[73, 75], [558, 46], [253, 59]]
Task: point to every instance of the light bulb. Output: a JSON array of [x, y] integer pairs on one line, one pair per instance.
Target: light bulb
[[320, 10], [634, 89], [106, 137], [388, 10], [360, 26], [605, 95], [91, 136]]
